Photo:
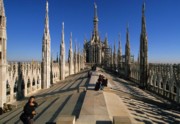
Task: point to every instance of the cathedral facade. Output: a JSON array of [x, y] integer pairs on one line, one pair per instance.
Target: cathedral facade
[[96, 50]]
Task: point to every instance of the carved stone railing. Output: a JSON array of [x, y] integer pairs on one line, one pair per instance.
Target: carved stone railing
[[163, 79]]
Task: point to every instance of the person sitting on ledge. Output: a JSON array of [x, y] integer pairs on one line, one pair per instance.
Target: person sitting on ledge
[[5, 108], [97, 86]]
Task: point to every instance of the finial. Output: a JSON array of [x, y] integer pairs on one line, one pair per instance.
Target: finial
[[71, 40], [127, 27], [71, 35], [95, 6], [143, 8], [62, 32], [106, 35], [119, 40], [47, 5], [63, 26], [95, 10]]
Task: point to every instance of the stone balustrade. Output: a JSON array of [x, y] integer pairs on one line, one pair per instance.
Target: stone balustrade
[[163, 79]]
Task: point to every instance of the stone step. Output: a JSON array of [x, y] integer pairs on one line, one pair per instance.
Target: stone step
[[94, 109], [116, 107]]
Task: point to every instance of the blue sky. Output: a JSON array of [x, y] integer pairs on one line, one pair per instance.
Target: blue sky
[[25, 25]]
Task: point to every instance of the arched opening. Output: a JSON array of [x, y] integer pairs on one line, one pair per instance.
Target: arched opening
[[38, 80], [174, 89], [15, 87], [161, 84], [33, 83], [156, 83], [167, 86], [7, 88], [28, 83], [22, 85]]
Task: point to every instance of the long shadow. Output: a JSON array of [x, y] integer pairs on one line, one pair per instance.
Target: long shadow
[[54, 116], [78, 105], [158, 109], [60, 90], [46, 108]]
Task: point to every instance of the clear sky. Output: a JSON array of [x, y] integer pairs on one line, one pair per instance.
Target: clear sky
[[25, 25]]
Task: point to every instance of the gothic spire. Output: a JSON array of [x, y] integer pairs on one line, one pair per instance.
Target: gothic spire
[[95, 11], [46, 30], [71, 41], [95, 20], [120, 48], [128, 54], [143, 30], [106, 41], [62, 34], [46, 52], [143, 58], [127, 37], [2, 11], [114, 47]]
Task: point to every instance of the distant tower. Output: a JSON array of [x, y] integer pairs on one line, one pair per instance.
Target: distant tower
[[106, 52], [111, 57], [114, 56], [62, 55], [84, 50], [106, 41], [46, 53], [3, 60], [127, 55], [70, 57], [119, 58], [95, 33], [143, 52]]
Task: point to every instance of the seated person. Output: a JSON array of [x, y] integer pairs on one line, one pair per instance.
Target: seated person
[[105, 82], [97, 86]]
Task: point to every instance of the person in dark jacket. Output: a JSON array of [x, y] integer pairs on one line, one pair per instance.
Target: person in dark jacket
[[29, 110]]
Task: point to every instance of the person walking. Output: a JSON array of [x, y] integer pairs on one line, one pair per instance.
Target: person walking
[[29, 111]]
